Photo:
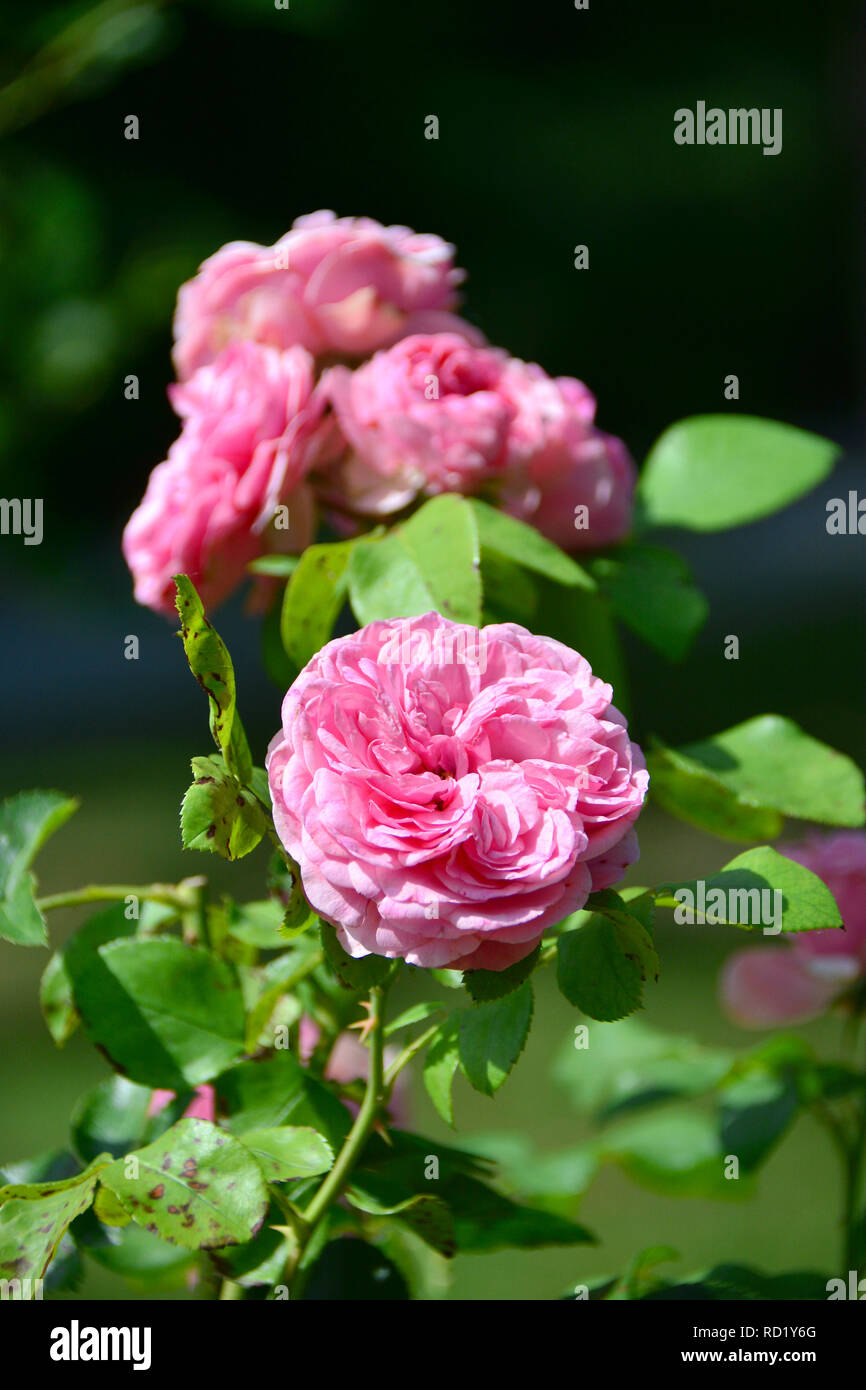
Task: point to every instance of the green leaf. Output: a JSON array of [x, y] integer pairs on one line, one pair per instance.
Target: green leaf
[[755, 1112], [313, 599], [486, 1220], [678, 1153], [602, 965], [738, 895], [109, 1209], [693, 794], [275, 566], [34, 1219], [440, 1065], [355, 973], [495, 984], [511, 594], [257, 924], [289, 1151], [277, 1091], [584, 621], [491, 1037], [212, 667], [652, 592], [714, 471], [196, 1187], [164, 1013], [416, 1014], [613, 1067], [112, 1118], [505, 535], [429, 1217], [55, 990], [26, 821], [430, 563], [767, 763], [218, 814]]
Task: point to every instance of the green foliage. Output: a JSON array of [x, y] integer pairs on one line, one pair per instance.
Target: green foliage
[[55, 990], [277, 1091], [511, 539], [26, 821], [494, 984], [428, 1216], [806, 902], [603, 962], [440, 1064], [34, 1217], [164, 1013], [313, 599], [491, 1037], [430, 562], [714, 471], [742, 783], [218, 814], [212, 667], [112, 1118], [289, 1151], [196, 1187], [651, 591]]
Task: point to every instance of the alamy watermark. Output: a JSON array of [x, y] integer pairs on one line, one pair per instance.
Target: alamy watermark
[[456, 645], [22, 516], [741, 907], [737, 126]]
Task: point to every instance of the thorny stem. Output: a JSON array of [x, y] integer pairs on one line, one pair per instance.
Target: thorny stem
[[374, 1099]]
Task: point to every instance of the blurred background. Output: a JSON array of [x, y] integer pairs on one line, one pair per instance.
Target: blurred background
[[556, 129]]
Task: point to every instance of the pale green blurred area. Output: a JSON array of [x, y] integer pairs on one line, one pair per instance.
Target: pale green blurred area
[[125, 831]]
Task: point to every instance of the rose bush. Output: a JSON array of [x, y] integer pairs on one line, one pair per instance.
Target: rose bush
[[450, 791]]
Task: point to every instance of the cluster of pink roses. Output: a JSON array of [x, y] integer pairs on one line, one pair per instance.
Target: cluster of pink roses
[[282, 416]]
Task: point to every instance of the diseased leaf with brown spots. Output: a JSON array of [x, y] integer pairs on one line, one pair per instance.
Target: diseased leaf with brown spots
[[218, 814], [212, 667], [34, 1218], [196, 1187]]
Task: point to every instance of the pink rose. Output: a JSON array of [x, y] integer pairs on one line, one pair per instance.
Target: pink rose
[[342, 285], [571, 481], [427, 416], [252, 426], [438, 413], [448, 809], [803, 977], [201, 1107]]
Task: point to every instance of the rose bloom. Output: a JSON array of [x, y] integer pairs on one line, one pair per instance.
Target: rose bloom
[[805, 975], [446, 809], [439, 413], [567, 478], [252, 426], [344, 286]]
